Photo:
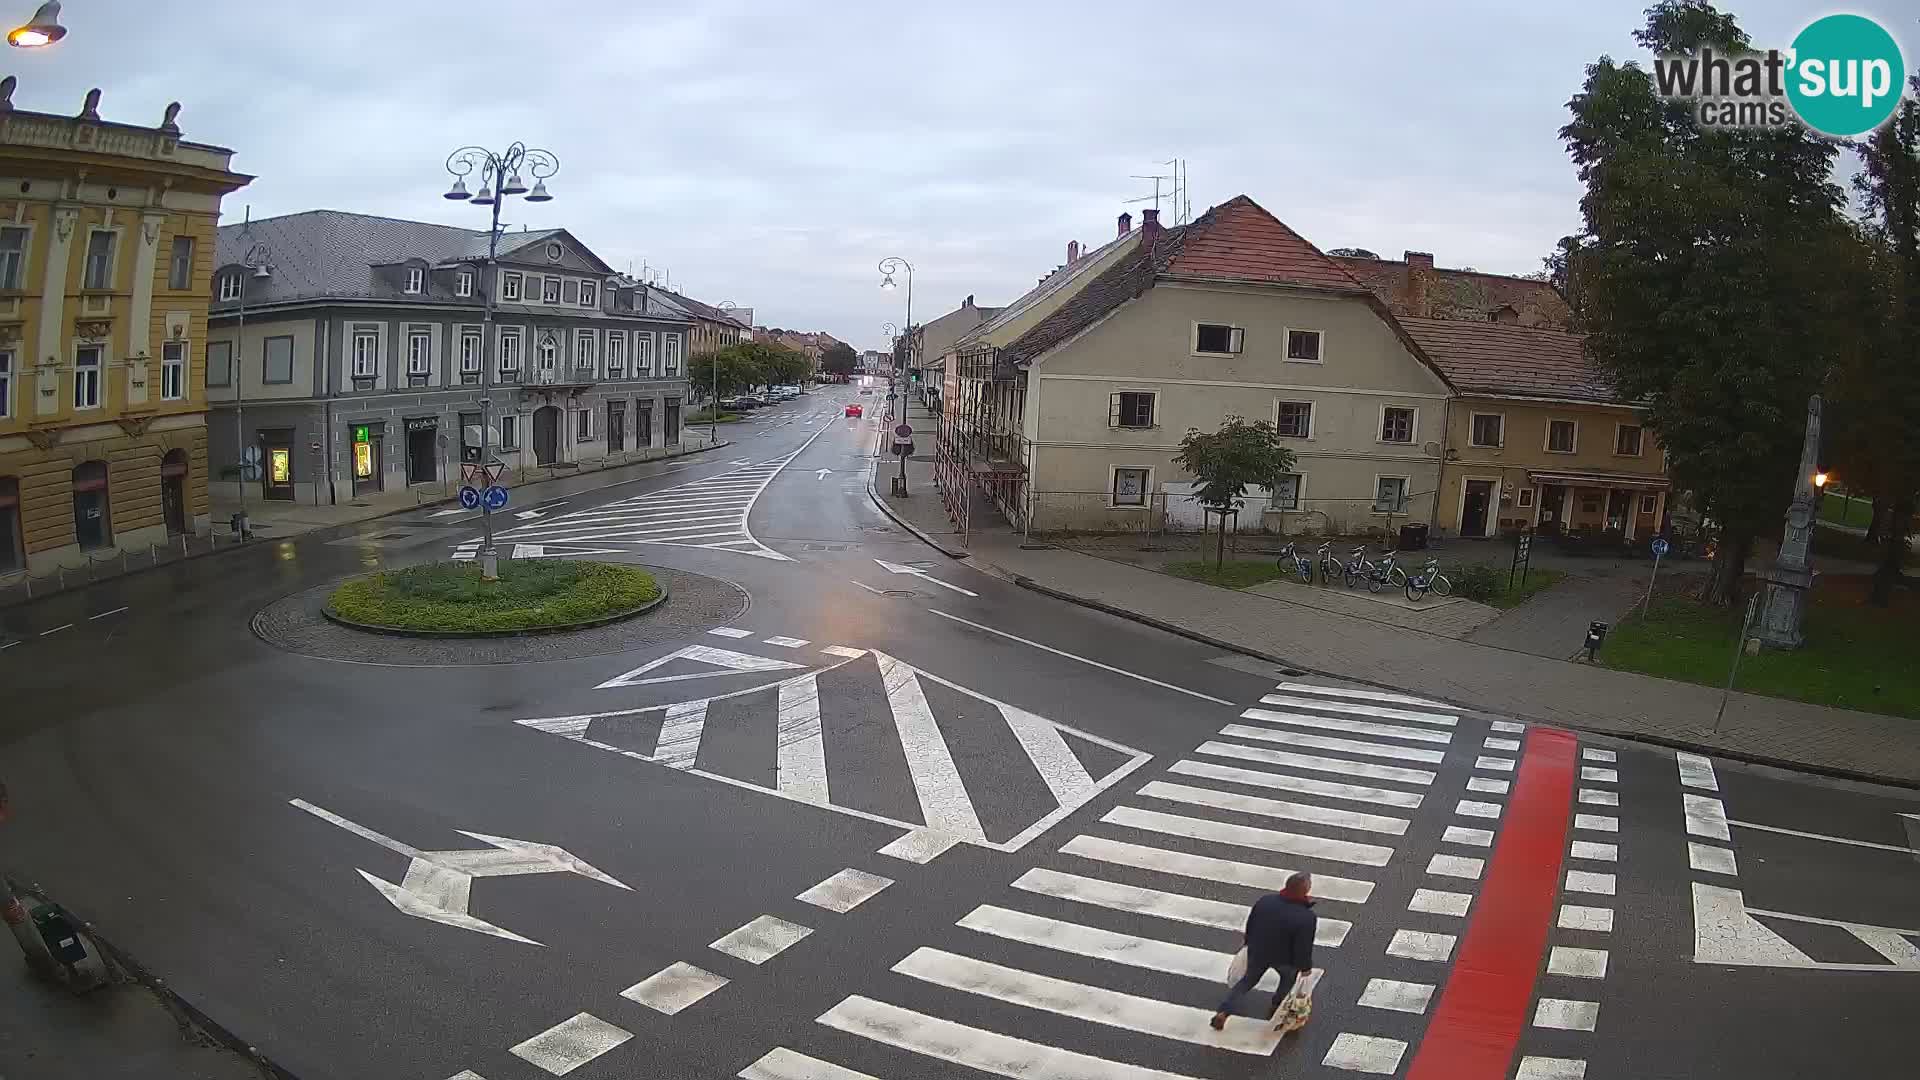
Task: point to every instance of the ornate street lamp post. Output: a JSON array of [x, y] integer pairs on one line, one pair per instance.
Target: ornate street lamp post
[[258, 261], [500, 177], [890, 266]]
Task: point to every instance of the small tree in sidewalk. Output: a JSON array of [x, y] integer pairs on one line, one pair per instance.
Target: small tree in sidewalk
[[1239, 455]]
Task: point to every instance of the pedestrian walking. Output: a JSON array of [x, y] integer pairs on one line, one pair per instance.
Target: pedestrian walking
[[1279, 937]]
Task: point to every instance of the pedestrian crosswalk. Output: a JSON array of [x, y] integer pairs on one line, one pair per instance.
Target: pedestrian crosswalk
[[863, 733], [1123, 936], [709, 513]]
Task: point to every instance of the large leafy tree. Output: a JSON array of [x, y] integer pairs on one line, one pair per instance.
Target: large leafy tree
[[1703, 278], [1227, 461], [839, 359]]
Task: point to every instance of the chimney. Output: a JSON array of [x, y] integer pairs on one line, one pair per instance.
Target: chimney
[[969, 302], [1073, 252], [1126, 223], [1419, 283], [1149, 229]]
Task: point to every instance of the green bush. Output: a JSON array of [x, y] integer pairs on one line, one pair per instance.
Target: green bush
[[1478, 581], [530, 594]]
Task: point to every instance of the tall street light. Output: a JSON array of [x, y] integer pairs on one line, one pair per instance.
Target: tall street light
[[259, 261], [890, 266], [500, 177], [42, 30]]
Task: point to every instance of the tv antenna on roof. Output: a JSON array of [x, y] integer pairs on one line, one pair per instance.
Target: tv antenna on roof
[[1174, 191]]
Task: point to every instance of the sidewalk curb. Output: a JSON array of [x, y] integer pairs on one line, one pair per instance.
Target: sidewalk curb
[[1633, 737], [873, 470]]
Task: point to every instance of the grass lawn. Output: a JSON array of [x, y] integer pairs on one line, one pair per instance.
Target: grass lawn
[[1856, 657], [1835, 544], [1539, 579], [531, 593], [1837, 509], [1235, 574]]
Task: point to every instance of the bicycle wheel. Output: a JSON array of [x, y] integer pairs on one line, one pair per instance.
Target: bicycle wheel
[[1399, 577], [1441, 585], [1376, 581], [1415, 591], [1349, 577]]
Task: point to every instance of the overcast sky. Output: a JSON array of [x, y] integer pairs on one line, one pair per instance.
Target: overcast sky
[[771, 154]]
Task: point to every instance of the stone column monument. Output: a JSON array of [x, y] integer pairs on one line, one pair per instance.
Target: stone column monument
[[1784, 603]]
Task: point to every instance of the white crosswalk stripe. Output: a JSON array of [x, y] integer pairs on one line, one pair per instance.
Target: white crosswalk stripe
[[708, 513]]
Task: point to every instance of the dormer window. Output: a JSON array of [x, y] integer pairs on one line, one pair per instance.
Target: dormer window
[[416, 279], [589, 294], [230, 285], [463, 283]]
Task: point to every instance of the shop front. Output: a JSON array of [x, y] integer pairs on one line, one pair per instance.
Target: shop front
[[1599, 506], [363, 441]]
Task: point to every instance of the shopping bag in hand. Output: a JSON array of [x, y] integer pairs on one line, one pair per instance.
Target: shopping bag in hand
[[1237, 969], [1297, 1007]]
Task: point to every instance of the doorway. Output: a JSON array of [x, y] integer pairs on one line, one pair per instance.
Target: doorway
[[546, 434], [643, 425], [671, 425], [277, 482], [369, 462], [92, 516], [173, 491], [616, 426], [1476, 507], [423, 450]]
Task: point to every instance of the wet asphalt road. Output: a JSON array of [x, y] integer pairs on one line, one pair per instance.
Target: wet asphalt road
[[154, 755]]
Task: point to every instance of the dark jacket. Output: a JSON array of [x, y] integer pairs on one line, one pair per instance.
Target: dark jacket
[[1280, 932]]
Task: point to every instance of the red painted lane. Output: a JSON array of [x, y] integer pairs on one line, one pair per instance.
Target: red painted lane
[[1484, 1006]]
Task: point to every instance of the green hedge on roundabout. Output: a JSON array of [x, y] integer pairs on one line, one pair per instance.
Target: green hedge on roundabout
[[531, 594]]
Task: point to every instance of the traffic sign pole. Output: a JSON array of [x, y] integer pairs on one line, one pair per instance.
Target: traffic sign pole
[[1659, 550]]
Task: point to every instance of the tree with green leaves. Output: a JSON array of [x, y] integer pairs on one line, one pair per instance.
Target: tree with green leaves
[[1705, 281], [1227, 461], [777, 364], [839, 359], [737, 374]]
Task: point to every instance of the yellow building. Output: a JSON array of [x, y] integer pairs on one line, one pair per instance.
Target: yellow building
[[106, 250]]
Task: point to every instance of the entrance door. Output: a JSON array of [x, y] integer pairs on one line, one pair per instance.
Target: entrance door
[[672, 422], [173, 491], [616, 426], [277, 481], [1473, 516], [92, 520], [369, 460], [643, 425], [423, 451], [546, 434]]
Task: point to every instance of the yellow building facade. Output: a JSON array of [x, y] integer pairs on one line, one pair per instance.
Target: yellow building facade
[[106, 255]]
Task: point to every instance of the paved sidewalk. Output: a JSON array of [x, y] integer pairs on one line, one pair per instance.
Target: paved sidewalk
[[118, 1032], [1554, 622], [1529, 687]]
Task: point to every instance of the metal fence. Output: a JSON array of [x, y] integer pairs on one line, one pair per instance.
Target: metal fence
[[22, 585], [1165, 518]]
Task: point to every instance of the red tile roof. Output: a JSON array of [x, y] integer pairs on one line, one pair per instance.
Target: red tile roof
[[1511, 361], [1239, 241]]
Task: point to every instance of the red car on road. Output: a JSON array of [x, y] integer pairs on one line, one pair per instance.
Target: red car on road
[[853, 409]]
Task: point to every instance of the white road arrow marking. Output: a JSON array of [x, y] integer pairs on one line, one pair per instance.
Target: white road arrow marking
[[438, 884], [821, 474], [729, 663], [528, 515], [896, 568]]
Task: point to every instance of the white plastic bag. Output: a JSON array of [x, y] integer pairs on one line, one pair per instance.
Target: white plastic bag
[[1237, 969], [1294, 1011]]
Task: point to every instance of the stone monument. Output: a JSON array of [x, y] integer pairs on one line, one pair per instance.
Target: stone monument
[[1784, 602]]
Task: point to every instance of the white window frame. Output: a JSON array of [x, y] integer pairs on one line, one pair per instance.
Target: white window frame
[[509, 431], [88, 377], [416, 281], [511, 284], [547, 283], [616, 354], [547, 353], [463, 283], [1312, 417], [1406, 493], [1413, 425], [1641, 449], [1236, 339], [670, 355], [173, 371], [185, 281], [510, 358], [1286, 345], [1523, 499], [1299, 493], [6, 382], [471, 346], [586, 350], [419, 353], [1116, 415], [370, 355], [19, 263], [86, 260], [1113, 491], [1473, 418], [643, 353], [230, 284], [589, 294], [1547, 442]]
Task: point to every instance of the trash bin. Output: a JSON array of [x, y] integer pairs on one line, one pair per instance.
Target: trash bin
[[1413, 536]]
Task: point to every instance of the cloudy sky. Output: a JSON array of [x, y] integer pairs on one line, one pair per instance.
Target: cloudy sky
[[771, 154]]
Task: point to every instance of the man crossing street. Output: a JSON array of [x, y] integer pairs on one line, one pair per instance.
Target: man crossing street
[[1279, 935]]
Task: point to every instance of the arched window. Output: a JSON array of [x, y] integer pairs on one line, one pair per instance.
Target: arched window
[[92, 513]]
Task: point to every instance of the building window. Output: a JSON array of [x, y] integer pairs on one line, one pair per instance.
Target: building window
[[550, 290], [180, 264], [419, 354], [230, 285], [549, 353], [509, 354], [509, 286], [219, 363], [554, 252], [13, 257], [173, 372], [1390, 495], [1303, 346], [276, 360], [1287, 495], [1217, 338], [86, 376], [6, 384], [583, 425], [616, 354], [1648, 503], [670, 355], [589, 294], [416, 279], [585, 349], [1526, 497], [469, 355], [643, 354], [1396, 424], [509, 432], [366, 355], [99, 270], [1294, 419], [1562, 436], [1489, 429], [1626, 440], [1130, 409], [1130, 486], [463, 283]]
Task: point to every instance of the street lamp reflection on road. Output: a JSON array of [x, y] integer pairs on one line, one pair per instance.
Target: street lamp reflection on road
[[42, 30]]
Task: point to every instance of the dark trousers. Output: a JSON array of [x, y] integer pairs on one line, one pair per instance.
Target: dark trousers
[[1255, 969]]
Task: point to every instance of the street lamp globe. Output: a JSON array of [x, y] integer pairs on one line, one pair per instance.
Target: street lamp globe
[[458, 192], [514, 186], [539, 192], [41, 30], [484, 197]]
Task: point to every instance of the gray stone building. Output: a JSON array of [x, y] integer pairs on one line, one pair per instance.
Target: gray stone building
[[360, 367]]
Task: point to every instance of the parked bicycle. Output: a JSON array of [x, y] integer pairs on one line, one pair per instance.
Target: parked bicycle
[[1377, 575], [1295, 563], [1429, 579], [1329, 566]]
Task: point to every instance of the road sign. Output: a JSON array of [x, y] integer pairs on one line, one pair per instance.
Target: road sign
[[903, 431], [1659, 546], [469, 497], [495, 497], [437, 883]]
